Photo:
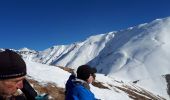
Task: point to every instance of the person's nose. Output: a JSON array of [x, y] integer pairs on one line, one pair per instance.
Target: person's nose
[[19, 85]]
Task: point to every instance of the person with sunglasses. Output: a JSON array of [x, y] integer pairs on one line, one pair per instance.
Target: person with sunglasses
[[77, 88]]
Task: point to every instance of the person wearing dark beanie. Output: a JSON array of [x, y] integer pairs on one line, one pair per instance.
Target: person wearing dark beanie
[[12, 78], [77, 88], [12, 72], [11, 65], [84, 72]]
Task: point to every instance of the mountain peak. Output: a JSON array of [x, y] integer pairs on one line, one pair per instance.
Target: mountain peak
[[24, 49]]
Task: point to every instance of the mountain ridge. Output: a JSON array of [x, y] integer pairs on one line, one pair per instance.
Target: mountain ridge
[[114, 49]]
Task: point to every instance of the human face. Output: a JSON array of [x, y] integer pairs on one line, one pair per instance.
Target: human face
[[91, 78], [10, 86]]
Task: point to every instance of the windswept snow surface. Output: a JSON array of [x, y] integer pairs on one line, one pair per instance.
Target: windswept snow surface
[[137, 53], [72, 55], [45, 73], [156, 85]]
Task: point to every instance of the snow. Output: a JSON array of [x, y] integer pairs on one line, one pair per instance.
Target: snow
[[105, 94], [45, 73], [24, 49], [137, 53], [152, 85]]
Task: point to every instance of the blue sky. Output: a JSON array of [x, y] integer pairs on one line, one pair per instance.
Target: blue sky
[[40, 24]]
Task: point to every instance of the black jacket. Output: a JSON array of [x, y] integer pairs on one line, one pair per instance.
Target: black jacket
[[19, 97]]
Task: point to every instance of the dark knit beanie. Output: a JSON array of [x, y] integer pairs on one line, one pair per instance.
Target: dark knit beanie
[[11, 65], [84, 71]]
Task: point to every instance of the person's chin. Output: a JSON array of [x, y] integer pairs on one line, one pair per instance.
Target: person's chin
[[12, 93], [7, 95]]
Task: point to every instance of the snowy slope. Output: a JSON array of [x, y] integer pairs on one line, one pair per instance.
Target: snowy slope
[[71, 55], [85, 52], [156, 85], [44, 74], [115, 90], [50, 74], [138, 54], [27, 53]]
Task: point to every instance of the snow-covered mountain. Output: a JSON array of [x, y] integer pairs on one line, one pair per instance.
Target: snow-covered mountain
[[137, 56], [141, 48], [71, 55]]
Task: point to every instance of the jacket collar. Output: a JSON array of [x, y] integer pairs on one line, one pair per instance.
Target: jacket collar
[[1, 98], [82, 82]]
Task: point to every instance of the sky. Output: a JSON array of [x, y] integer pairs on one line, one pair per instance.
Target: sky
[[40, 24]]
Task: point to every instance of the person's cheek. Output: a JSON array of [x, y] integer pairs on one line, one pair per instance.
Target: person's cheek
[[11, 88], [19, 85]]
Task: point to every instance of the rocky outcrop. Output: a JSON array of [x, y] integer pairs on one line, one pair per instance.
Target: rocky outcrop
[[167, 77]]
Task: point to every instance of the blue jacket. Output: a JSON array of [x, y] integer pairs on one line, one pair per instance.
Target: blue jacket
[[77, 89]]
